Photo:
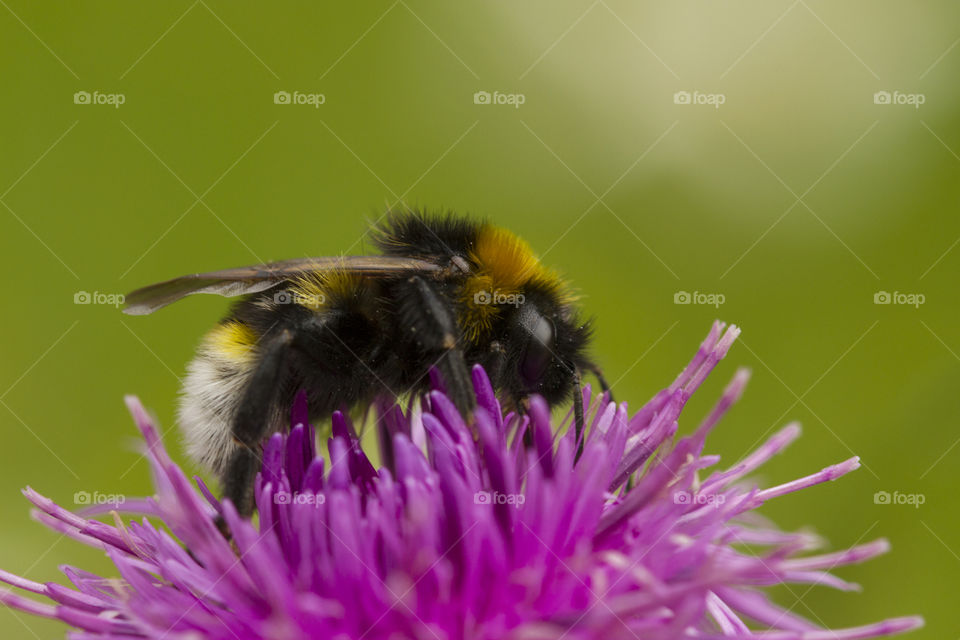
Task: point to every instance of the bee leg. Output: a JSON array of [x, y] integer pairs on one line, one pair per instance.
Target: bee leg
[[237, 483], [578, 414], [495, 362], [252, 421], [521, 407], [435, 335]]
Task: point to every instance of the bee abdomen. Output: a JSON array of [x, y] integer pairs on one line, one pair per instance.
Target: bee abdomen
[[212, 390]]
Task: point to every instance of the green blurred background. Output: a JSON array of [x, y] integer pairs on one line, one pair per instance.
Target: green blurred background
[[797, 199]]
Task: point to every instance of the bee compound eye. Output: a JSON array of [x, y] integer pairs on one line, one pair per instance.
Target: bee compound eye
[[538, 353]]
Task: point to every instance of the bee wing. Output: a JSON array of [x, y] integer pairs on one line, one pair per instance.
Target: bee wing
[[256, 278]]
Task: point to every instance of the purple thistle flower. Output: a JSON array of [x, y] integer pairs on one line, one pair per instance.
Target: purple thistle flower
[[462, 532]]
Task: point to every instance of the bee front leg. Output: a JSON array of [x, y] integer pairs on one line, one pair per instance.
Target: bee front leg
[[494, 363], [578, 414]]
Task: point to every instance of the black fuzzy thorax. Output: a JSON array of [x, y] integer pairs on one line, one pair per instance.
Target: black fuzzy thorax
[[428, 235]]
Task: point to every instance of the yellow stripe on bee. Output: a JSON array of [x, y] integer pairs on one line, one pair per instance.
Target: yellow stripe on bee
[[232, 340], [479, 313], [506, 265], [314, 289], [507, 259]]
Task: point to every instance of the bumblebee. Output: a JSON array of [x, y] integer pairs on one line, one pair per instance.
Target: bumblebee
[[446, 293]]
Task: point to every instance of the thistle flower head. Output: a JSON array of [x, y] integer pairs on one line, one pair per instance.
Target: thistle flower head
[[488, 531]]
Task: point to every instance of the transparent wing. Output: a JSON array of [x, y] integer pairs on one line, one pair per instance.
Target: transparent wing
[[256, 278]]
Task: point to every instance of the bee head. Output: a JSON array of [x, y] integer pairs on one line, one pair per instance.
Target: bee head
[[545, 346]]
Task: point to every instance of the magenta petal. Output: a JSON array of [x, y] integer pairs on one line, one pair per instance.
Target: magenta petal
[[479, 529]]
